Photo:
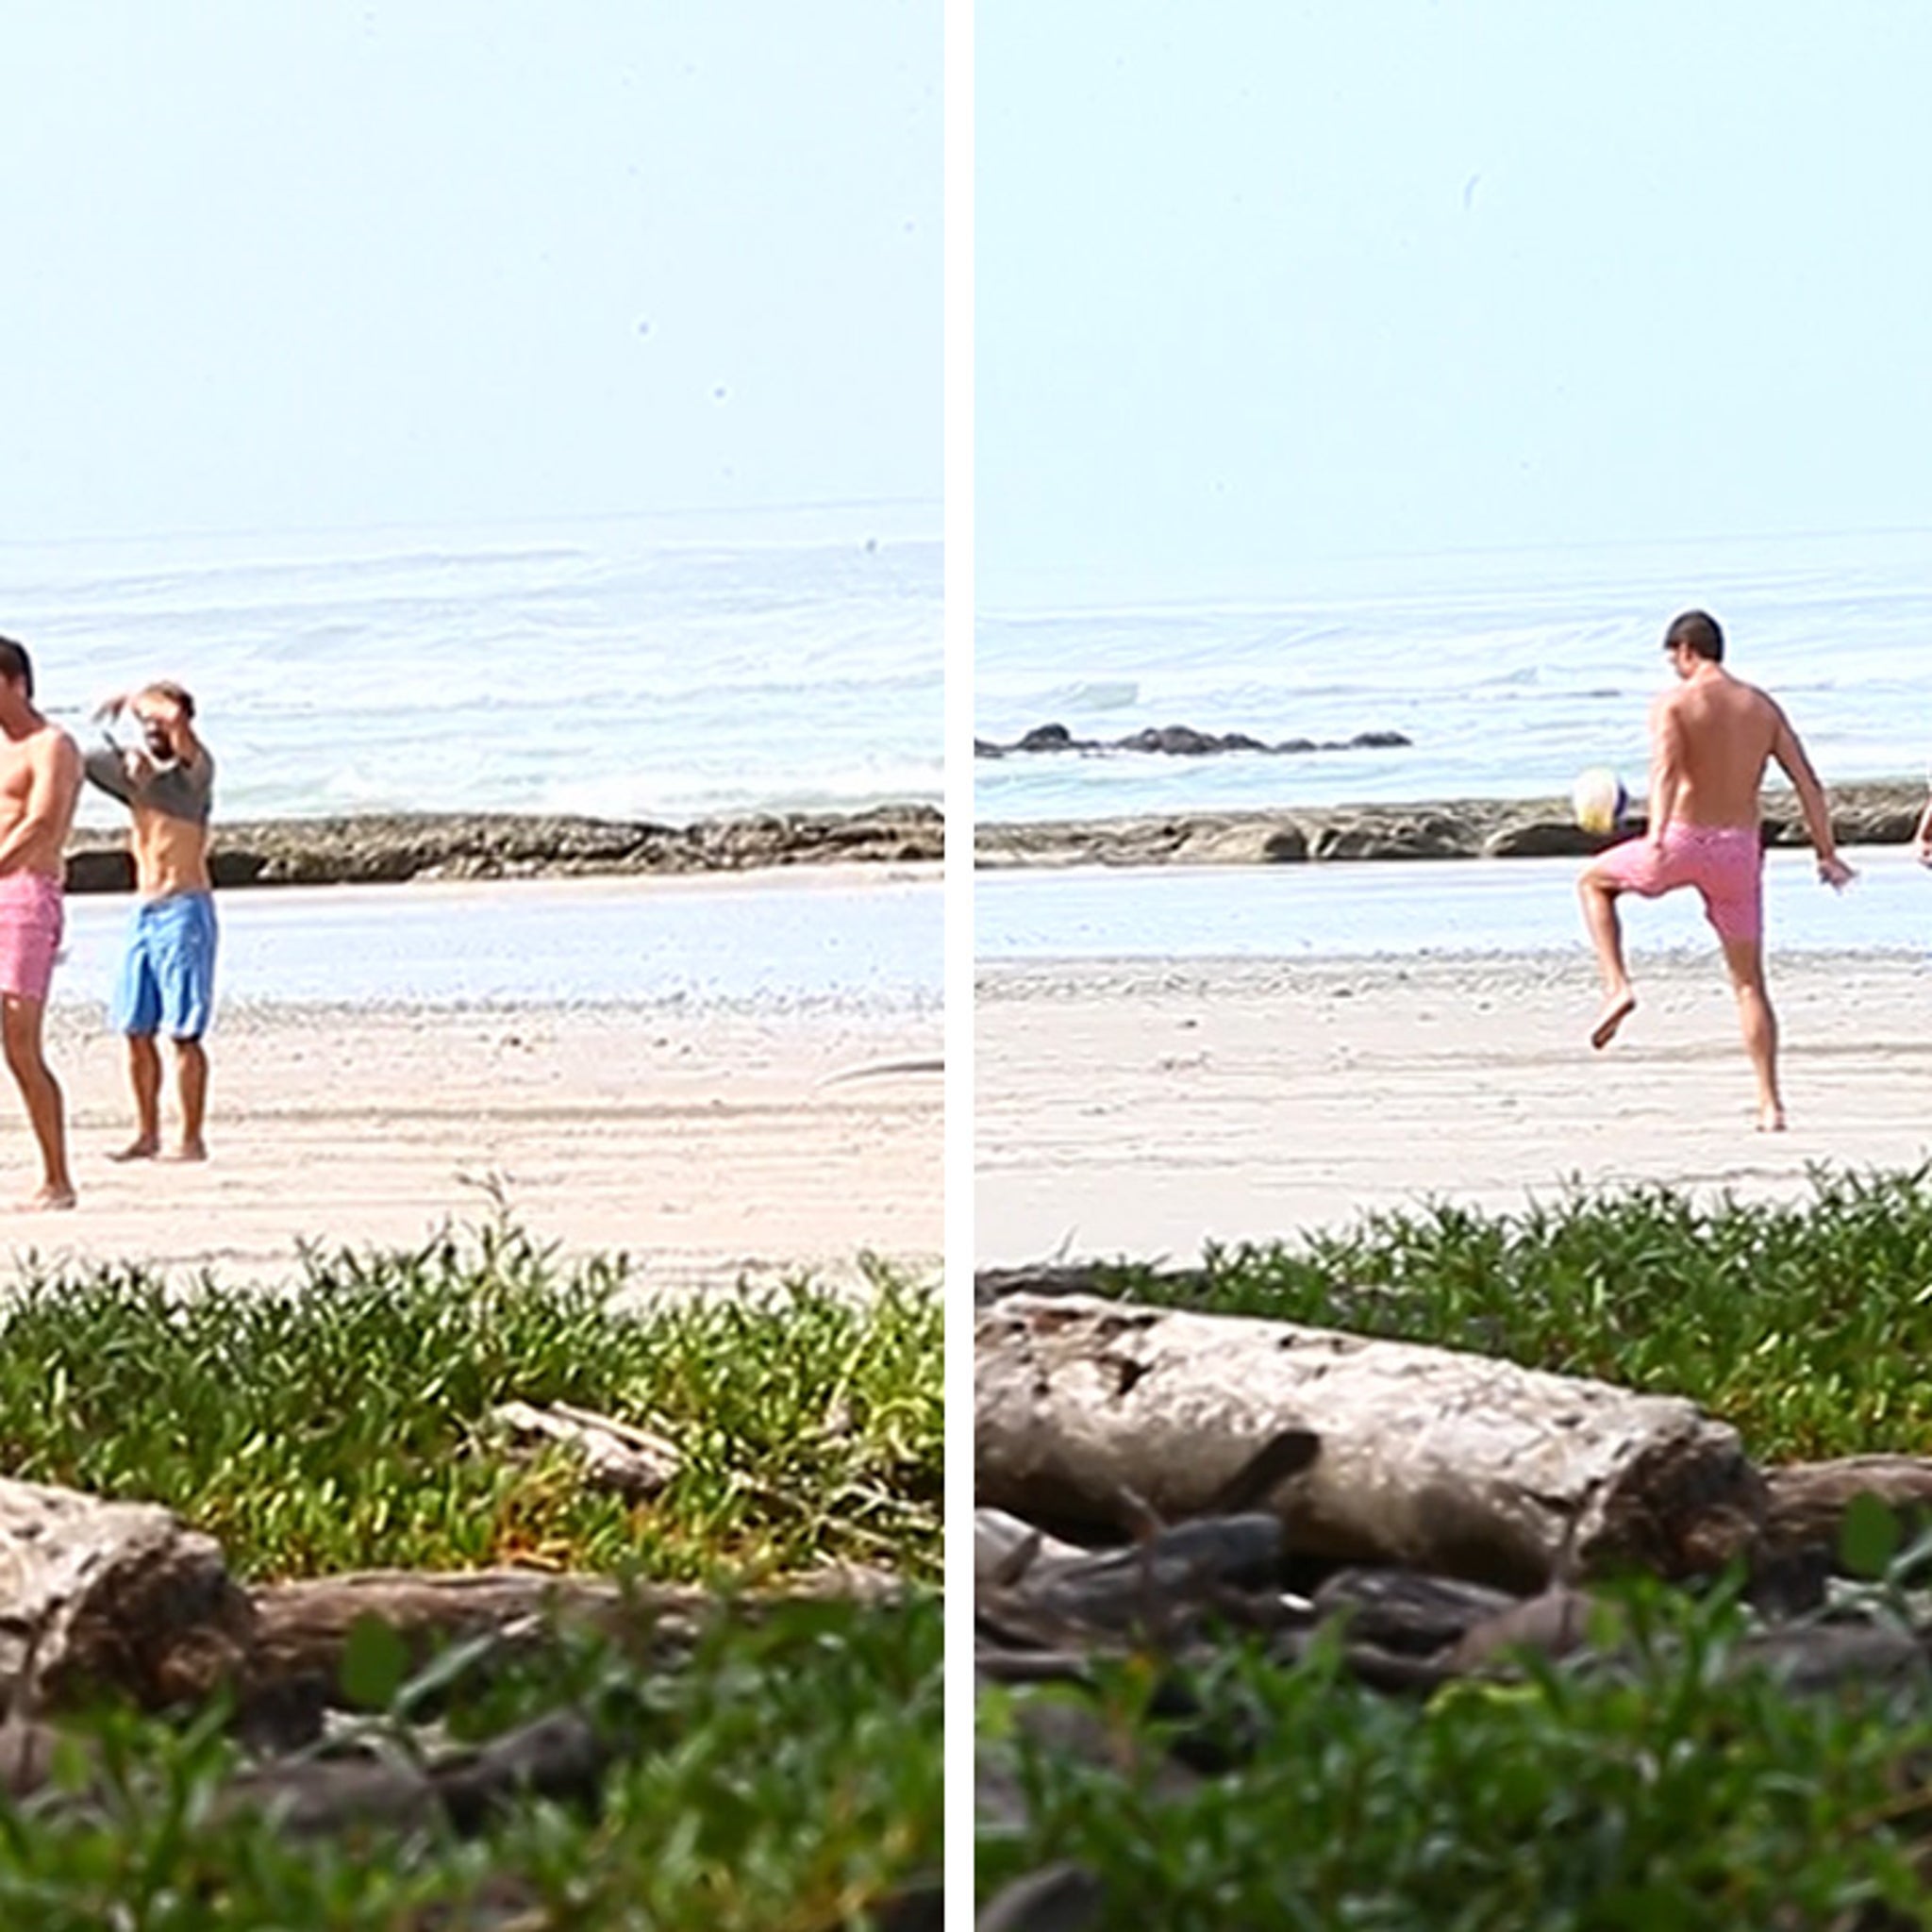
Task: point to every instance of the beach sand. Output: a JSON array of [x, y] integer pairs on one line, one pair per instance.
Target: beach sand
[[1141, 1108], [705, 1144]]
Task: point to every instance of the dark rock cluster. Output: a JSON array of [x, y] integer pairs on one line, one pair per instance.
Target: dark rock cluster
[[1180, 741]]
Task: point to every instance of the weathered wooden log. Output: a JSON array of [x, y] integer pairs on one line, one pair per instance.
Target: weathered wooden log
[[1094, 1411], [303, 1627], [97, 1594], [1056, 1898], [617, 1456], [1805, 1502], [559, 1757], [123, 1597], [1401, 1610], [1163, 1586], [1003, 1548]]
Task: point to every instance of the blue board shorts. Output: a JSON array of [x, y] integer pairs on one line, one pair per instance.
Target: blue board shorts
[[167, 982]]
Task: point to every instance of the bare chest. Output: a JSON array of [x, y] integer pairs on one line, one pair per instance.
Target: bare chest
[[16, 778]]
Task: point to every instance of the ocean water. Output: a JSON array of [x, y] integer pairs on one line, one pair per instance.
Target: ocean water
[[1511, 672], [652, 668]]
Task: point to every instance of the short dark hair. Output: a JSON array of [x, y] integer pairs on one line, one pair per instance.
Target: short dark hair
[[1697, 632], [16, 664], [167, 688]]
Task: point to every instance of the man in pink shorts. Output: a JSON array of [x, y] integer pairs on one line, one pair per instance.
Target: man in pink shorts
[[1712, 737], [40, 782]]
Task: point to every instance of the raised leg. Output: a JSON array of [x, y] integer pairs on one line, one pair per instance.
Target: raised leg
[[1599, 900]]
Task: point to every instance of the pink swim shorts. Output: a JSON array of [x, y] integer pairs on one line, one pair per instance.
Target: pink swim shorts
[[1724, 863], [31, 919]]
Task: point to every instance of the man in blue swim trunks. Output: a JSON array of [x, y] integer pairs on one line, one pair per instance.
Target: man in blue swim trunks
[[167, 979]]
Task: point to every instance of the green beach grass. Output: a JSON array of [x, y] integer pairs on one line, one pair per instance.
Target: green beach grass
[[339, 1422], [788, 1776], [1676, 1789]]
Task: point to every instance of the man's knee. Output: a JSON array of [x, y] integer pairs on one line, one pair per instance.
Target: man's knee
[[1744, 961]]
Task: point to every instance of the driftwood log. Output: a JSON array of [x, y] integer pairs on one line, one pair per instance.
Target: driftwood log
[[617, 1456], [98, 1594], [1805, 1502], [123, 1597], [1091, 1412]]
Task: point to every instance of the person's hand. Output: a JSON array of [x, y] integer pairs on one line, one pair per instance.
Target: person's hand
[[1835, 872]]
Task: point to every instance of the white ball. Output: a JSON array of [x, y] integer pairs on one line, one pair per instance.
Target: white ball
[[1599, 801]]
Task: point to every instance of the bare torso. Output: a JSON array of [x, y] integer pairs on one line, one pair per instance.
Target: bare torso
[[170, 854], [1715, 735], [39, 785]]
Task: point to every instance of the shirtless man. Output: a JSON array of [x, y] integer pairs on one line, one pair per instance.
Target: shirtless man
[[40, 783], [1711, 738], [167, 976]]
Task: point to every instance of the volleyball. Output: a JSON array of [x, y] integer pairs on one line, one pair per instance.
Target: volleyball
[[1599, 801]]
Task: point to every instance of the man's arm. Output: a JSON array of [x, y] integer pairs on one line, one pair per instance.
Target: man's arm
[[53, 778], [113, 769], [1789, 753], [1666, 766]]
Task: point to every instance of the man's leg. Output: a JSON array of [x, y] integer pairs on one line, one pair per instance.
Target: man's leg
[[191, 1069], [20, 1028], [1745, 960], [1599, 897], [145, 1077]]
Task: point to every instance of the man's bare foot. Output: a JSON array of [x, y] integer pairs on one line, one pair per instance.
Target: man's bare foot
[[141, 1148], [1619, 1010], [1771, 1120], [46, 1201], [189, 1150]]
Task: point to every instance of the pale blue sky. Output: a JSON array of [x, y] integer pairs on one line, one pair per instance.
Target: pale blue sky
[[321, 265], [1263, 285]]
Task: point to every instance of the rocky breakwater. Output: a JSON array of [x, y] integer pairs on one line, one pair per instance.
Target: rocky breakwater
[[470, 845], [1180, 741], [1872, 814]]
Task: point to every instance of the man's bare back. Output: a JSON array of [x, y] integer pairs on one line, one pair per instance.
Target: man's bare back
[[1714, 736]]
